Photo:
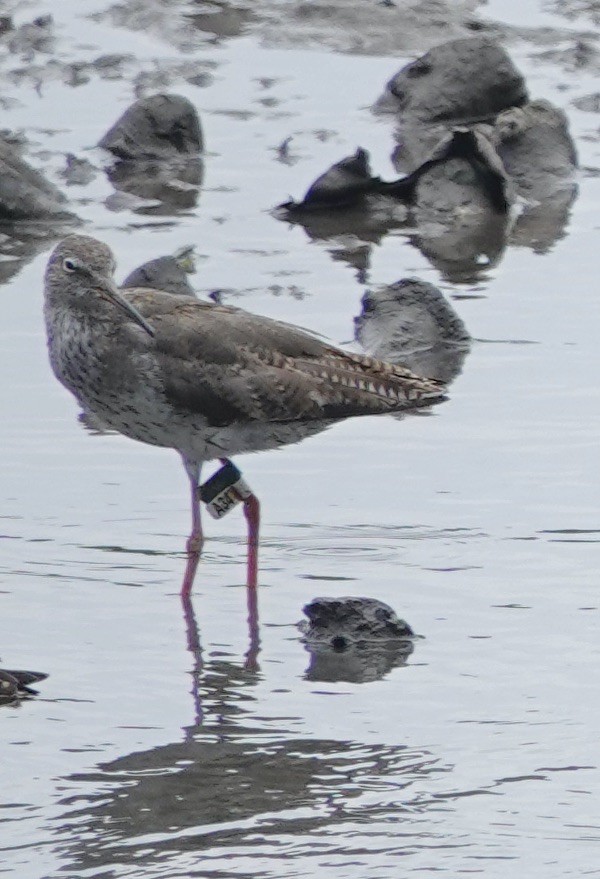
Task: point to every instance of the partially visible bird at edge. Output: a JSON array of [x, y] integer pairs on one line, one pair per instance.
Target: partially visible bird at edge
[[16, 685], [207, 380]]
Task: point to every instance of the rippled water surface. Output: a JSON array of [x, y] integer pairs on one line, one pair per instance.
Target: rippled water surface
[[173, 744]]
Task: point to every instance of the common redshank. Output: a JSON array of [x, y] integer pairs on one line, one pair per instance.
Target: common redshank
[[207, 380]]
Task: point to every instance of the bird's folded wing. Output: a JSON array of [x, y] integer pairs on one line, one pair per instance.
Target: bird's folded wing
[[231, 365]]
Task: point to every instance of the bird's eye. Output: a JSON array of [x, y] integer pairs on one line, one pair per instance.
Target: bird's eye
[[69, 265]]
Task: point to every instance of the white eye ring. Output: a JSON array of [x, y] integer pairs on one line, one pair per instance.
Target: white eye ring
[[69, 265]]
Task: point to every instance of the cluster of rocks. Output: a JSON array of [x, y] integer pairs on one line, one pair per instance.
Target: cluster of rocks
[[156, 148], [482, 166], [155, 166], [470, 145]]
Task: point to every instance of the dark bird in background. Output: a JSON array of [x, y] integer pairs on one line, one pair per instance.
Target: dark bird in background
[[14, 685]]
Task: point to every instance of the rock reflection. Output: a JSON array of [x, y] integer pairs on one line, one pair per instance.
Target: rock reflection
[[458, 200], [21, 242], [540, 226], [351, 233], [162, 186], [466, 250], [356, 663]]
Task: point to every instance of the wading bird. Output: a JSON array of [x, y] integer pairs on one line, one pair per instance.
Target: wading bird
[[207, 380]]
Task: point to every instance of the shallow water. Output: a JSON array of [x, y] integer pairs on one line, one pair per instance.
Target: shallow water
[[168, 745]]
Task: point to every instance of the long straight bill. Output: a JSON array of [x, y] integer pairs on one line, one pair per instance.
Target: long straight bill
[[113, 294]]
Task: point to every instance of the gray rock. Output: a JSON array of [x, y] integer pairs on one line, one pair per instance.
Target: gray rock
[[463, 169], [461, 81], [536, 148], [157, 142], [465, 79], [156, 127], [354, 639], [165, 273], [338, 622], [411, 323], [77, 172], [461, 199]]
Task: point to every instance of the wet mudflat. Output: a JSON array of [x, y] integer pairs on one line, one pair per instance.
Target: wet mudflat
[[171, 745]]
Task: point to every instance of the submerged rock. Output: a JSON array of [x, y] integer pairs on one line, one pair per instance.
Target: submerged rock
[[536, 148], [167, 273], [412, 323], [345, 183], [456, 83], [156, 127], [463, 169], [338, 622], [15, 685], [354, 639]]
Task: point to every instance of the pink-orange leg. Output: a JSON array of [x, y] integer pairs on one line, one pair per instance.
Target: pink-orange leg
[[196, 539], [252, 514]]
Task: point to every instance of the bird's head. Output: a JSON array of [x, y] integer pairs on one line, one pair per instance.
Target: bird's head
[[79, 275]]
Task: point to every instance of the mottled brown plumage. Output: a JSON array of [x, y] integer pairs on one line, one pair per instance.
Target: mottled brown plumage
[[231, 365], [205, 379]]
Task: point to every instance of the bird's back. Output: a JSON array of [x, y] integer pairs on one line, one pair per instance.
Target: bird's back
[[231, 365]]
